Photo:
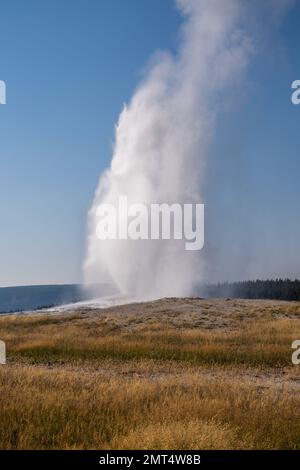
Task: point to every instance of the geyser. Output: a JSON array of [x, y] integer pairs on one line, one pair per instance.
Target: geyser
[[161, 144]]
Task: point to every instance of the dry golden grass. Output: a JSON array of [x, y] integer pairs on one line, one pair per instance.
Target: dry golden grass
[[194, 434], [173, 374]]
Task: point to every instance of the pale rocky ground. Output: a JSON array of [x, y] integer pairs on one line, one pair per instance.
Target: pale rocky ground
[[193, 312]]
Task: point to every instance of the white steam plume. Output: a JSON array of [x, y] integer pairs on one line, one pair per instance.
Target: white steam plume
[[161, 147]]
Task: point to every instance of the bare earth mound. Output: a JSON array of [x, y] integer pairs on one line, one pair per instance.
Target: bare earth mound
[[173, 373]]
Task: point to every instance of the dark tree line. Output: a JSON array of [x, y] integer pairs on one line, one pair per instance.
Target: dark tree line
[[279, 289]]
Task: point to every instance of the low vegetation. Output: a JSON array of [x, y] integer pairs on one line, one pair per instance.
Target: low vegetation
[[171, 374]]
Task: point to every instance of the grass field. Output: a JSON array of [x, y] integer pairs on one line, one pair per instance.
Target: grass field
[[175, 373]]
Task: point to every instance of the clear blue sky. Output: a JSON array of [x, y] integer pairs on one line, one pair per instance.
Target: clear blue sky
[[69, 65]]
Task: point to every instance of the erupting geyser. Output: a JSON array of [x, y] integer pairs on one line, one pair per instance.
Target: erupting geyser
[[161, 146]]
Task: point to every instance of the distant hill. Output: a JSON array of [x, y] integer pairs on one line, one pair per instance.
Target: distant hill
[[14, 299], [17, 299]]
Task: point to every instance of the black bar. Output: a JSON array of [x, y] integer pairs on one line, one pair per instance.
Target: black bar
[[142, 459]]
